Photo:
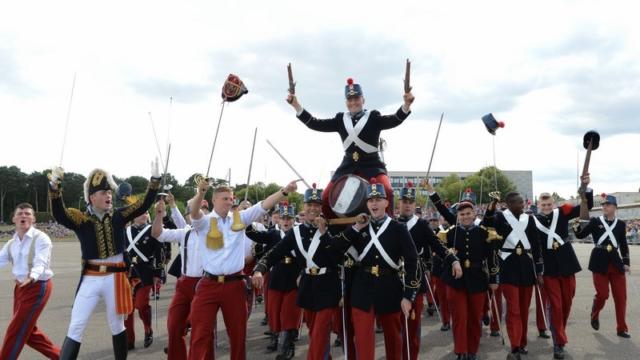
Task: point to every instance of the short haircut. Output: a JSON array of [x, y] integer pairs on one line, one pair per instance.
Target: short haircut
[[464, 205], [23, 206], [545, 196], [510, 196], [222, 188]]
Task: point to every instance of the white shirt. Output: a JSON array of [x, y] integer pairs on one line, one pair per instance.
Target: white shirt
[[230, 258], [177, 218], [194, 260], [19, 250]]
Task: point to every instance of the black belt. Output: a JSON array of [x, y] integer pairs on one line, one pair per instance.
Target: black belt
[[377, 270], [223, 278], [518, 251], [104, 268], [607, 248]]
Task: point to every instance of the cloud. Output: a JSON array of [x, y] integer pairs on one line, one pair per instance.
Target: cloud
[[10, 80], [160, 88]]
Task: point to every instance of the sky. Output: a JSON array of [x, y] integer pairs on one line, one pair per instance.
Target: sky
[[551, 70]]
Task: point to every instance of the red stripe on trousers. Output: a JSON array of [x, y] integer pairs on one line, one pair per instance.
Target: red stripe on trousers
[[178, 317], [466, 314], [560, 291], [601, 282], [211, 296], [28, 304], [365, 337], [518, 300]]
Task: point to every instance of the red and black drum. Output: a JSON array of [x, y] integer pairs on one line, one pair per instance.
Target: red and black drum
[[348, 196]]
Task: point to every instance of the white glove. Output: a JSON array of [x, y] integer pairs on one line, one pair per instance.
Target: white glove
[[155, 168]]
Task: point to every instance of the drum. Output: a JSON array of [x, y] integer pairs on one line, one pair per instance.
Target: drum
[[348, 196]]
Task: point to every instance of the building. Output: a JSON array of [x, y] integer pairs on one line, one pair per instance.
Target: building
[[522, 179]]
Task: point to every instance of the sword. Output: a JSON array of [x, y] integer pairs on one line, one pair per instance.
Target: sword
[[66, 124], [495, 307], [433, 151], [434, 298], [406, 320], [215, 139], [246, 193], [288, 164], [344, 316]]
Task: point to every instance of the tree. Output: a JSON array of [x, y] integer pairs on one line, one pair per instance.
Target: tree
[[73, 190], [481, 183], [138, 184], [12, 181]]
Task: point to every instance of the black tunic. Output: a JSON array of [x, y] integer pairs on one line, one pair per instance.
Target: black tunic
[[284, 273], [478, 258], [426, 243], [151, 248], [100, 239], [385, 291], [517, 269], [600, 257], [316, 292], [563, 260], [364, 164]]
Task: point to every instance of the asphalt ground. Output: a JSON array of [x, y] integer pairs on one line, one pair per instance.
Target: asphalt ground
[[584, 342]]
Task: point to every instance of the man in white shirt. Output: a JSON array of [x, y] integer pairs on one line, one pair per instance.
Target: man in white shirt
[[221, 240], [29, 253], [190, 274]]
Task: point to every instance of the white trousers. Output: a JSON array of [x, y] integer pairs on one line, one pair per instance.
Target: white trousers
[[91, 290]]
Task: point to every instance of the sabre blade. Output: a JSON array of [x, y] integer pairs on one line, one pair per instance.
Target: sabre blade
[[288, 164], [253, 147]]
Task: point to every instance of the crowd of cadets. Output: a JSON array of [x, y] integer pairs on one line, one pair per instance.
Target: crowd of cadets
[[355, 280]]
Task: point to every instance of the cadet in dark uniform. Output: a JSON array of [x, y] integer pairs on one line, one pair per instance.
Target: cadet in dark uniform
[[425, 242], [387, 280], [359, 131], [283, 313], [520, 265], [560, 263], [101, 232], [609, 262], [145, 254], [318, 254]]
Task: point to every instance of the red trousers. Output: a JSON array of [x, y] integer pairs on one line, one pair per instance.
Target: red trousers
[[284, 313], [365, 337], [140, 303], [540, 308], [495, 316], [440, 288], [518, 300], [466, 313], [319, 324], [211, 296], [601, 282], [380, 178], [178, 316], [414, 324], [560, 291], [338, 329], [28, 303]]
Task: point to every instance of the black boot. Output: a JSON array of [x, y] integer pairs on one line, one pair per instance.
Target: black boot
[[288, 350], [148, 339], [120, 346], [558, 352], [273, 344], [70, 349], [296, 334], [543, 334]]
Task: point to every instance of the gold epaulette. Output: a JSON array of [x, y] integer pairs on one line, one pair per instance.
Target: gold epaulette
[[442, 235], [493, 235], [75, 215]]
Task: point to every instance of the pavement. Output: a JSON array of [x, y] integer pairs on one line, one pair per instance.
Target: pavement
[[584, 342]]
